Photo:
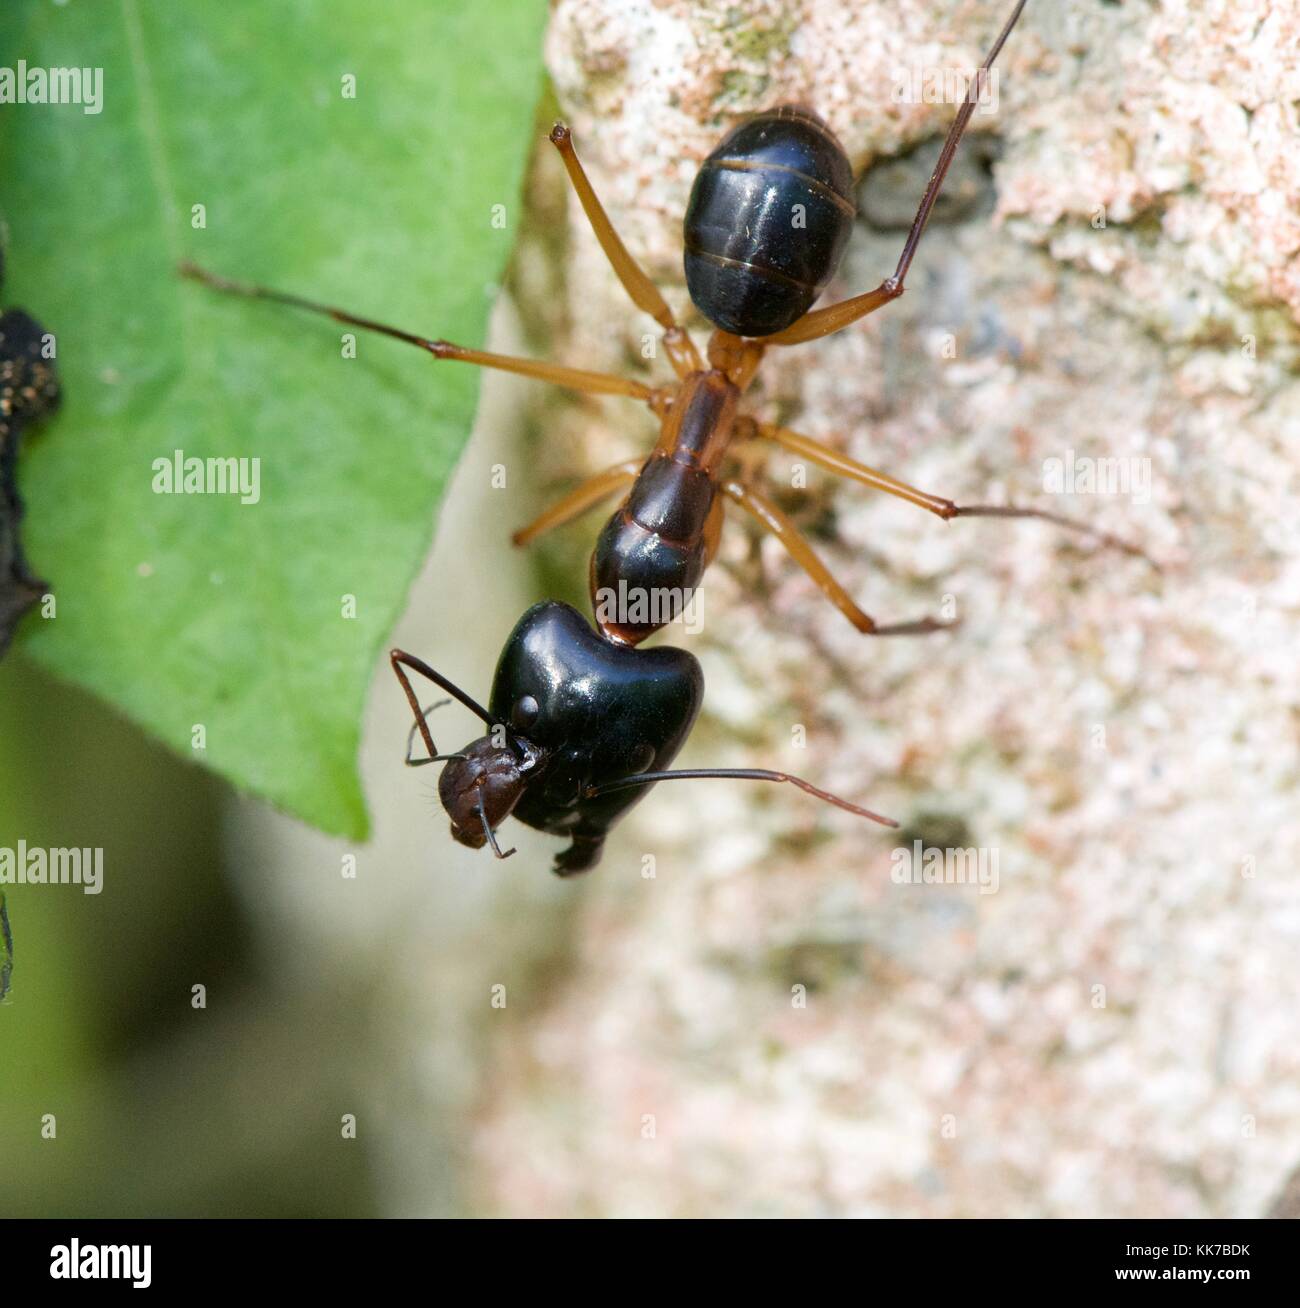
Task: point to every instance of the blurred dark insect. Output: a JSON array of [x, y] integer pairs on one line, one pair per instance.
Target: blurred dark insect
[[6, 949], [29, 390]]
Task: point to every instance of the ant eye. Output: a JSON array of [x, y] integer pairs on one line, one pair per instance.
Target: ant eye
[[524, 713], [642, 757]]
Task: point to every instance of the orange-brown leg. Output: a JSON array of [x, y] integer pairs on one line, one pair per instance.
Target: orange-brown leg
[[821, 322], [755, 502], [580, 499], [577, 379], [833, 461], [682, 353]]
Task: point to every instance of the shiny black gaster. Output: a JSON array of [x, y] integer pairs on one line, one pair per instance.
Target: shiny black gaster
[[768, 220], [602, 712]]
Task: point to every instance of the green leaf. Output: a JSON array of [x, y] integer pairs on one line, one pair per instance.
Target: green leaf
[[199, 610]]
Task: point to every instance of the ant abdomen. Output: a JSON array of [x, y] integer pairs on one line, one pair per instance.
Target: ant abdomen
[[769, 216], [640, 579], [653, 551]]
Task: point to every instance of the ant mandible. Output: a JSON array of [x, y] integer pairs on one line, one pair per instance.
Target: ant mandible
[[754, 276]]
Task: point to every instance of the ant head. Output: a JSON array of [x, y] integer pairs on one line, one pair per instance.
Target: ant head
[[481, 785], [483, 782]]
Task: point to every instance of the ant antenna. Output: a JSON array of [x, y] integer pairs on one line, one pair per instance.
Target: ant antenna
[[743, 774], [410, 737], [595, 383], [398, 657], [433, 758]]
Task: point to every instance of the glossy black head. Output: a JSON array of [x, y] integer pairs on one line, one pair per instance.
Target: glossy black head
[[596, 712], [769, 216]]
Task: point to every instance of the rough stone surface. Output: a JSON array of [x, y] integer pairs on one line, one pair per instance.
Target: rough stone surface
[[1113, 1031]]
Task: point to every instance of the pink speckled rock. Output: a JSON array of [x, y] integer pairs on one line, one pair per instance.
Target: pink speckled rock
[[772, 1023]]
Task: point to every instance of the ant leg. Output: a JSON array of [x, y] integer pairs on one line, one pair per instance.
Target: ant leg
[[580, 499], [843, 466], [740, 774], [577, 379], [821, 322], [582, 854], [643, 292], [784, 530]]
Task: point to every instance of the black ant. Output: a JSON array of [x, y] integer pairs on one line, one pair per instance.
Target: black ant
[[578, 721], [576, 725], [29, 393], [754, 275]]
